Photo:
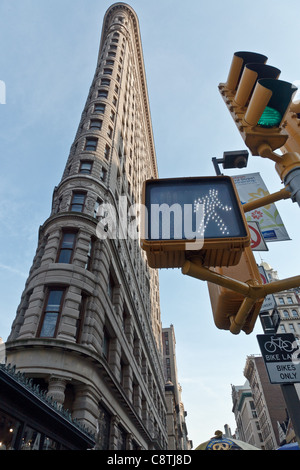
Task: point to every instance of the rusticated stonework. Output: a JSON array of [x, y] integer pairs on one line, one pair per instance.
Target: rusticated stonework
[[88, 326]]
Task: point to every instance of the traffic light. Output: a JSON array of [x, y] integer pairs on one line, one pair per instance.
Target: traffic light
[[226, 303], [257, 100], [198, 216], [236, 292], [292, 127]]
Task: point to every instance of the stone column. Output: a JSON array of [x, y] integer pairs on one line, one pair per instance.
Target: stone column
[[56, 389], [85, 405], [114, 433]]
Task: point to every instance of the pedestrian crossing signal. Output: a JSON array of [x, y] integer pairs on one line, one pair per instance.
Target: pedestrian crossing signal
[[198, 216]]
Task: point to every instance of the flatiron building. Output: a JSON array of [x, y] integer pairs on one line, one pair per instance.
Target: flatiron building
[[88, 327]]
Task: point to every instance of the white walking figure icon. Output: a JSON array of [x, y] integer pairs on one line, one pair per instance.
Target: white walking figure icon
[[211, 207]]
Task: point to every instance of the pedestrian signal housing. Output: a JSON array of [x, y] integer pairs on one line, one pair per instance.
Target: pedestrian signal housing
[[188, 217]]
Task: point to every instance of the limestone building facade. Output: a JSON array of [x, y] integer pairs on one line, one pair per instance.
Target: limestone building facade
[[287, 305], [88, 327], [268, 404], [176, 414]]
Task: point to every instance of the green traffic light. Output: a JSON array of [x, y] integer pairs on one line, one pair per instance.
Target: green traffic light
[[270, 118]]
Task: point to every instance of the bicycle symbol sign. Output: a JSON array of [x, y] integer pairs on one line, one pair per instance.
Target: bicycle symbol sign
[[278, 343], [281, 354]]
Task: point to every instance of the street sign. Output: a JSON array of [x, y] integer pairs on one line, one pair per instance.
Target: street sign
[[269, 302], [280, 353], [257, 240], [270, 322]]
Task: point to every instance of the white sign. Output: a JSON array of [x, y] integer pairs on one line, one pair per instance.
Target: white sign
[[281, 357], [281, 372], [269, 302], [257, 240], [251, 187]]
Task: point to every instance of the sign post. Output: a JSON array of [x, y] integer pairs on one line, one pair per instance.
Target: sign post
[[281, 356]]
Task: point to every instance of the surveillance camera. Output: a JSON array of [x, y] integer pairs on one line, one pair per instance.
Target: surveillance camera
[[235, 159], [240, 162]]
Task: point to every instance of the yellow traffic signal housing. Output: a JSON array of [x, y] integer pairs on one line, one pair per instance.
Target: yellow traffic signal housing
[[257, 100], [188, 217], [292, 127], [236, 292], [226, 303]]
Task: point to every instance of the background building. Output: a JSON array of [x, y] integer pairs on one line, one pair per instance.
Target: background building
[[287, 304], [176, 414], [268, 406], [88, 327], [245, 415]]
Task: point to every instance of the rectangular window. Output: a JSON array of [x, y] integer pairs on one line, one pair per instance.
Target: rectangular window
[[96, 124], [51, 313], [102, 94], [103, 174], [77, 204], [67, 247], [122, 439], [96, 207], [88, 263], [110, 287], [85, 167], [107, 72], [99, 108], [110, 132], [91, 144], [104, 429], [105, 344], [105, 81], [106, 152]]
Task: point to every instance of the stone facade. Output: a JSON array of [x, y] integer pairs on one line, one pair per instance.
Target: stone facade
[[268, 400], [176, 414], [88, 326]]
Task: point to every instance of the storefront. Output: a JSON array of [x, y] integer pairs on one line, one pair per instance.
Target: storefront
[[31, 421]]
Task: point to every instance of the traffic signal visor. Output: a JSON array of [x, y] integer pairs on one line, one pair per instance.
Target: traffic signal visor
[[200, 216], [257, 100]]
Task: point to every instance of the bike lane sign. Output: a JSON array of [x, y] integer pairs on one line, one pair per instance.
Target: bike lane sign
[[281, 354]]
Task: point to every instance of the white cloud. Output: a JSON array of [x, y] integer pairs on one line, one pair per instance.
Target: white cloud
[[13, 270]]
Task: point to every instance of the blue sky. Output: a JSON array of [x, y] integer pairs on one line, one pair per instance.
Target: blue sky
[[47, 60]]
